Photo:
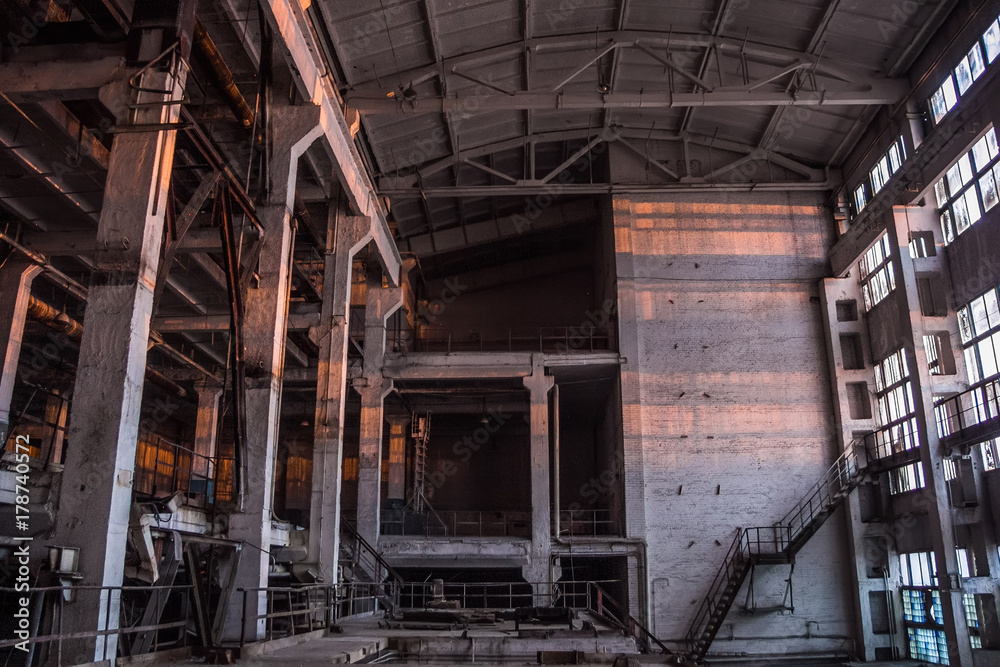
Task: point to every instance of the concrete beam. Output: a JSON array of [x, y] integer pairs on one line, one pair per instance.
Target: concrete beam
[[59, 79], [457, 365], [290, 22], [296, 322], [16, 276]]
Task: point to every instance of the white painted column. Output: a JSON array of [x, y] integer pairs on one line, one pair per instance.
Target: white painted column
[[16, 276], [539, 384], [380, 303], [346, 235], [96, 494]]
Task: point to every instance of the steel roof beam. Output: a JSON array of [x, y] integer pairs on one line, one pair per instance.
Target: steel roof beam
[[878, 92]]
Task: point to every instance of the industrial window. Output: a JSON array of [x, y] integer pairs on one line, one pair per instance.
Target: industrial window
[[922, 611], [991, 454], [894, 399], [972, 619], [878, 277], [890, 162], [966, 72], [969, 188], [940, 360], [979, 326], [907, 478], [860, 198]]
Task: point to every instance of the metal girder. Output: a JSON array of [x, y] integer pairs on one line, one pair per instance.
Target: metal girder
[[884, 91], [588, 42], [526, 188], [392, 186]]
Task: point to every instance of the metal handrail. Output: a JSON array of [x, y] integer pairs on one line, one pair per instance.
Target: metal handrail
[[197, 467], [587, 522], [523, 339], [41, 597], [367, 555], [457, 523], [972, 407], [314, 606], [624, 619]]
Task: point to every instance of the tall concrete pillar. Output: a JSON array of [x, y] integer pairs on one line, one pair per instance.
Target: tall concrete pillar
[[293, 129], [16, 276], [206, 428], [397, 457], [934, 496], [96, 495], [539, 384], [380, 303], [345, 236]]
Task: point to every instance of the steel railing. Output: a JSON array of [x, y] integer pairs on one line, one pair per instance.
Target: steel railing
[[47, 606], [587, 523], [499, 594], [291, 610], [533, 339], [163, 467], [456, 523], [892, 440], [370, 562], [974, 407]]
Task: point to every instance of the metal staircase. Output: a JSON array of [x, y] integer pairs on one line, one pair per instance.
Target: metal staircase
[[364, 564], [776, 544]]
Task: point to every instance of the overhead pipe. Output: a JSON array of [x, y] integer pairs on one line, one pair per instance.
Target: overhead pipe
[[222, 76], [60, 321], [80, 292]]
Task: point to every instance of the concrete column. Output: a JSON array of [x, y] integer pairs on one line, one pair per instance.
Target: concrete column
[[16, 276], [293, 129], [397, 457], [538, 385], [380, 303], [345, 236], [206, 430], [935, 495], [96, 492]]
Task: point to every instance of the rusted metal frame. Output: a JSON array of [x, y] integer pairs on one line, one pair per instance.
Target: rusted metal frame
[[223, 217]]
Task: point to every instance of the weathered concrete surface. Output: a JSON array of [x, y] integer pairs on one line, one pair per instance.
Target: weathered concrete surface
[[346, 235], [380, 304], [539, 384], [97, 483], [727, 414], [480, 552], [16, 276]]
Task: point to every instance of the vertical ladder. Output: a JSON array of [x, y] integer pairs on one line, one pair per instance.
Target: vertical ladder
[[420, 428]]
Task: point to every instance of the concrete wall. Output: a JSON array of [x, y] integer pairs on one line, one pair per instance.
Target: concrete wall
[[727, 406]]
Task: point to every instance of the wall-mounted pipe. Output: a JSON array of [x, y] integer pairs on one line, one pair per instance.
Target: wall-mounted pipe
[[221, 75], [61, 321]]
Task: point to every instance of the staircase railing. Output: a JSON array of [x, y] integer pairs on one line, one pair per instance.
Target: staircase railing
[[600, 603], [840, 479], [775, 543], [370, 561]]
